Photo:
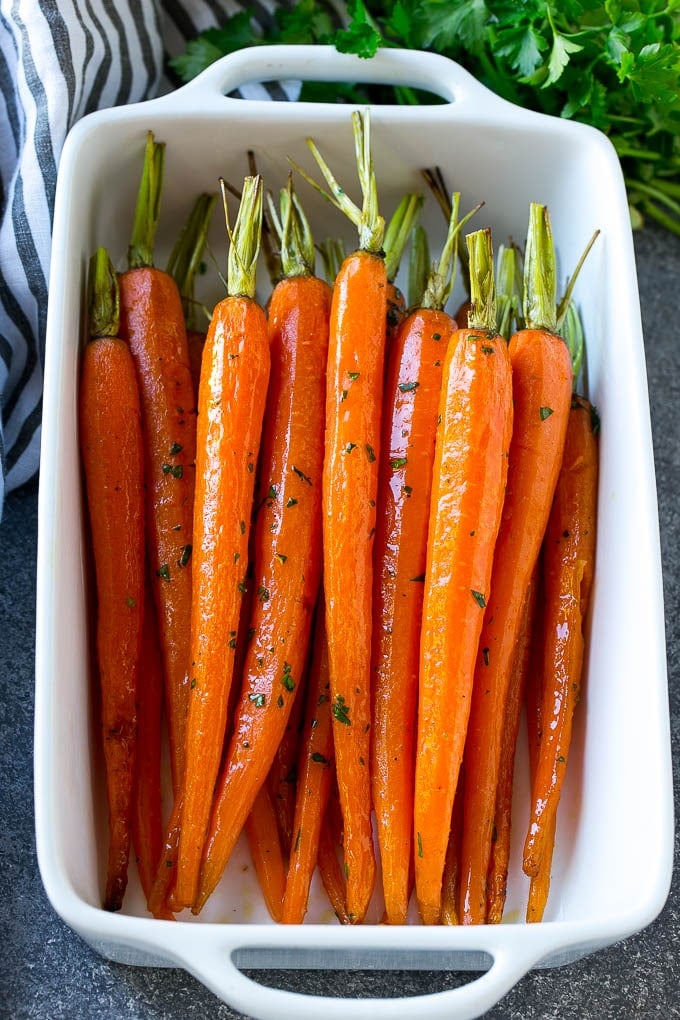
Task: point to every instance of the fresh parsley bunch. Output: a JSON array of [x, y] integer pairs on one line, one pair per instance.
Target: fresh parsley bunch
[[614, 65]]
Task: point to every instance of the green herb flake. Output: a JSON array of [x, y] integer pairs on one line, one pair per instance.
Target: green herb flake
[[479, 598], [232, 642], [193, 683], [436, 336], [242, 527], [370, 453], [545, 412], [175, 449], [407, 489], [287, 680], [409, 387], [263, 593], [164, 572], [319, 758], [340, 710], [281, 558], [301, 475], [297, 841], [257, 699], [353, 376], [398, 462], [237, 557], [280, 701], [350, 447], [343, 396], [291, 502], [176, 470], [242, 587], [485, 656], [130, 602], [420, 845], [184, 555]]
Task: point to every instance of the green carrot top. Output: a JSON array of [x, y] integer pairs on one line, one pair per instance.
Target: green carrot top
[[482, 315], [147, 210], [244, 239], [367, 219], [103, 296]]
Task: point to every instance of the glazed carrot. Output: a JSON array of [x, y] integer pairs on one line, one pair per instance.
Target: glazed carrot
[[314, 779], [147, 826], [350, 483], [451, 879], [282, 778], [329, 864], [413, 380], [533, 695], [469, 474], [184, 264], [113, 462], [234, 379], [568, 561], [541, 389], [262, 832], [287, 543], [152, 321], [497, 880]]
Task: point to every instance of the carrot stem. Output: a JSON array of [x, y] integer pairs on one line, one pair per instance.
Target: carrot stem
[[147, 209]]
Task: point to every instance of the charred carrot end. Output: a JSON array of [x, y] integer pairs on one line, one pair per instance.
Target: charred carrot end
[[113, 459]]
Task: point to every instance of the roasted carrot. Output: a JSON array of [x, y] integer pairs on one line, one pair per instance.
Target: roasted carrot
[[262, 832], [502, 825], [147, 825], [113, 462], [314, 780], [541, 390], [329, 866], [234, 378], [152, 321], [451, 879], [413, 380], [568, 563], [350, 483], [184, 264], [287, 545], [533, 695], [470, 469], [282, 778]]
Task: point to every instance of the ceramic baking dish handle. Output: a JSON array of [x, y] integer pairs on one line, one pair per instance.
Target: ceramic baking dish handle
[[210, 960], [417, 69]]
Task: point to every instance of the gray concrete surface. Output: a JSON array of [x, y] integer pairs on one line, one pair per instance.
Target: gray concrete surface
[[46, 971]]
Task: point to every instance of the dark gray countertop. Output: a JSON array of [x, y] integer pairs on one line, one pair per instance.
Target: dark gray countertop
[[48, 972]]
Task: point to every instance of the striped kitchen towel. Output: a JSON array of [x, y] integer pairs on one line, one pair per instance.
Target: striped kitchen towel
[[61, 59]]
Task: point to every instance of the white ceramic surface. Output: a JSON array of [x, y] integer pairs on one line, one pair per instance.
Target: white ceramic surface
[[613, 863]]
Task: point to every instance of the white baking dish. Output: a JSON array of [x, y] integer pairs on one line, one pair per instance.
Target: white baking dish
[[613, 863]]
